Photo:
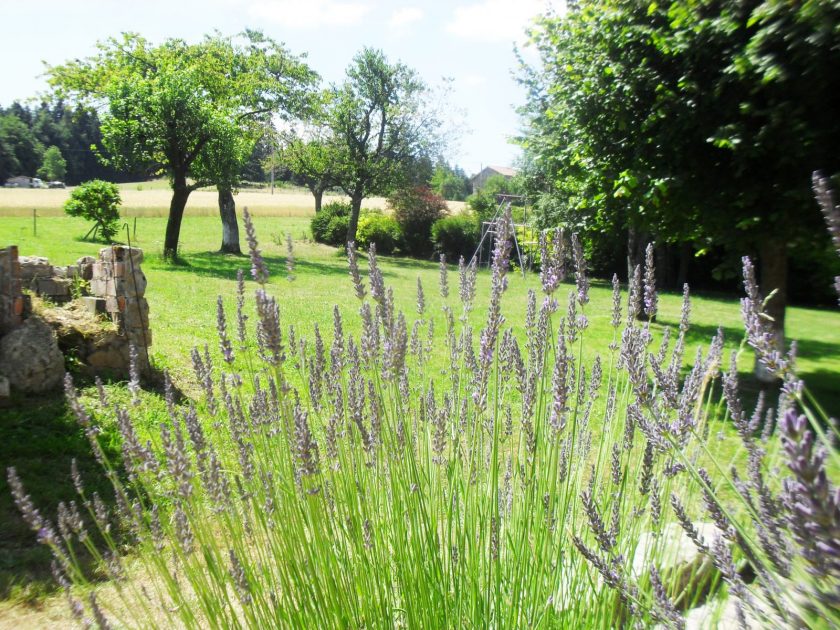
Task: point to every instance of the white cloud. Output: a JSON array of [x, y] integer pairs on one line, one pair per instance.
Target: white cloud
[[405, 16], [495, 20], [311, 13]]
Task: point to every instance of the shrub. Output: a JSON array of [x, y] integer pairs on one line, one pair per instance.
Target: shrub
[[96, 201], [532, 482], [375, 227], [336, 231], [416, 209], [324, 229], [456, 236]]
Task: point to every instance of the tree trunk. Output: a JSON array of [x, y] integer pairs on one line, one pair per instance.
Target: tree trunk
[[774, 269], [180, 195], [631, 252], [319, 195], [355, 209], [682, 270], [230, 228]]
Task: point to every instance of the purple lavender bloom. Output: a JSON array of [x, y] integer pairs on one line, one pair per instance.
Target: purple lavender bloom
[[377, 284], [580, 271], [259, 271], [552, 259], [133, 374], [241, 317], [221, 328], [421, 298], [651, 300], [353, 261], [290, 258], [444, 277]]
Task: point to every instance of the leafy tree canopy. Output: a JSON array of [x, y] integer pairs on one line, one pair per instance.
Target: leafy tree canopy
[[383, 120], [695, 121], [190, 111]]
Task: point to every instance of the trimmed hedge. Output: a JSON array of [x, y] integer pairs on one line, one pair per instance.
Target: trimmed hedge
[[327, 225], [416, 209], [456, 236], [375, 227]]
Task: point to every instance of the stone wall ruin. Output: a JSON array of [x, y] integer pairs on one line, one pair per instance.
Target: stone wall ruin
[[70, 320]]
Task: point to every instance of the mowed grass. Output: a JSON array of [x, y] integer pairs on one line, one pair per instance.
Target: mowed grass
[[182, 297], [182, 302]]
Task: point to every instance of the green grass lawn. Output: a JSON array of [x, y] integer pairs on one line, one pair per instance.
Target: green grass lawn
[[182, 301], [182, 297]]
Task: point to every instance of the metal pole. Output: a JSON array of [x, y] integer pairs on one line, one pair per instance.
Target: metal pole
[[135, 228], [34, 222]]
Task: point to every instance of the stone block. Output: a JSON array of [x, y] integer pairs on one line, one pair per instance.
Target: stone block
[[104, 287], [85, 271], [102, 270], [134, 284], [135, 313], [139, 337], [30, 357], [32, 267], [121, 253], [114, 304], [94, 305], [53, 287]]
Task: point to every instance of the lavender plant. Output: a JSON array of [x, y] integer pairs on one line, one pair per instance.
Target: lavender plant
[[344, 483]]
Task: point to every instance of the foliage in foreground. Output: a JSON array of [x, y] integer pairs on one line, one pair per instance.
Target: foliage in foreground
[[507, 491]]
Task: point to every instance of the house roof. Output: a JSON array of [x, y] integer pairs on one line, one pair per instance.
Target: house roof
[[507, 171]]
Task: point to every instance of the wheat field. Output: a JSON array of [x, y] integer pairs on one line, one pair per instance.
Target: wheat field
[[149, 199]]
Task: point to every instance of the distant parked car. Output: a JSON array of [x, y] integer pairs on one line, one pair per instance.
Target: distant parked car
[[23, 181], [56, 185]]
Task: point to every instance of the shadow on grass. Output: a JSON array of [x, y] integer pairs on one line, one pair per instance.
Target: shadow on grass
[[40, 437], [226, 266], [823, 384]]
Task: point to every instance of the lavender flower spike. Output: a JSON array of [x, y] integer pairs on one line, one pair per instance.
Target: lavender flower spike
[[651, 300], [259, 271], [444, 277], [290, 258], [221, 327], [353, 261]]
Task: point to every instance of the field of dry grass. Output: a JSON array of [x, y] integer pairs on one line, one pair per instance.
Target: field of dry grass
[[152, 200]]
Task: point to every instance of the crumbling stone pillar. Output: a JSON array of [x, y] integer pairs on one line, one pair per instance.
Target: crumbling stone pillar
[[118, 280], [12, 302]]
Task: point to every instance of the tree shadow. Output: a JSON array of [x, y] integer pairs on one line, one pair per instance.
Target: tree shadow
[[226, 266], [823, 384], [39, 437]]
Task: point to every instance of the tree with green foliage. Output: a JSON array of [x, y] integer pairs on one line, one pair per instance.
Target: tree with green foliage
[[450, 183], [691, 122], [311, 154], [20, 151], [382, 122], [54, 166], [96, 201], [190, 111]]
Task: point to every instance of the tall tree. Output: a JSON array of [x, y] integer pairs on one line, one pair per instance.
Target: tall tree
[[694, 121], [54, 166], [312, 156], [20, 151], [382, 121], [183, 110]]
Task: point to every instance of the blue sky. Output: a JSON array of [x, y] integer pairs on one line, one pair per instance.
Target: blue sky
[[471, 41]]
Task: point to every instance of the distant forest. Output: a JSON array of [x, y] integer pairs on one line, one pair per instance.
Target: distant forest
[[26, 132]]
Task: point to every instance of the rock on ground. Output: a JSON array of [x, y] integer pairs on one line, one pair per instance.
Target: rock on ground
[[30, 357]]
